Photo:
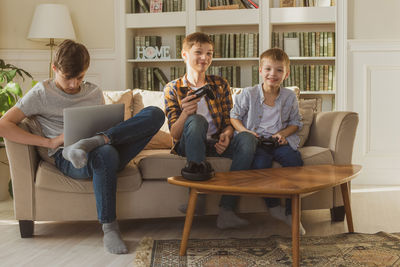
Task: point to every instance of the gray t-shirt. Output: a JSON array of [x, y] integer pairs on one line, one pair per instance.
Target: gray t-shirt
[[46, 102]]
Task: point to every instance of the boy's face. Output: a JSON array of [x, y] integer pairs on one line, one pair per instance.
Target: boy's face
[[199, 57], [273, 72], [70, 86]]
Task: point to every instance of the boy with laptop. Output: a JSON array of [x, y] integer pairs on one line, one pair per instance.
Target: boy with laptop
[[201, 126], [100, 156]]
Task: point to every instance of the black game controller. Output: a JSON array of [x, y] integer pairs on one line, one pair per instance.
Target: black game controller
[[270, 142], [205, 90]]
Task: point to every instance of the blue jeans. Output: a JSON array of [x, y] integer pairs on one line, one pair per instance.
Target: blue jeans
[[195, 147], [127, 139], [284, 155]]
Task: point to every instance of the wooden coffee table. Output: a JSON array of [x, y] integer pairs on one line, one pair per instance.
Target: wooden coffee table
[[289, 182]]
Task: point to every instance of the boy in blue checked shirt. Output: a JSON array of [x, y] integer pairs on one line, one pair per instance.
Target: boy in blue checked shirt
[[268, 110], [201, 126]]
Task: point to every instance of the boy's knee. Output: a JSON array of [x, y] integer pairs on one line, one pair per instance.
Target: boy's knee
[[197, 122], [245, 142], [104, 155]]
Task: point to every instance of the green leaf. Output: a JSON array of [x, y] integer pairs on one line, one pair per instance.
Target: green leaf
[[13, 88]]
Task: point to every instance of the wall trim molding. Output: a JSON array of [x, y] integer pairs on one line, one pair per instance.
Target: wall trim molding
[[373, 45], [44, 55]]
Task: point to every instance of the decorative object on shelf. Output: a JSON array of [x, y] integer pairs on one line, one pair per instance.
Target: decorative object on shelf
[[156, 6], [51, 22], [222, 7], [153, 52], [287, 3], [292, 47], [250, 4]]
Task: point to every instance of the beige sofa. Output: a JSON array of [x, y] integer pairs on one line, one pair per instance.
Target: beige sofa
[[42, 193]]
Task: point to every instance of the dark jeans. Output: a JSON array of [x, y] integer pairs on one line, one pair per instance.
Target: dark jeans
[[195, 147], [285, 156], [127, 139]]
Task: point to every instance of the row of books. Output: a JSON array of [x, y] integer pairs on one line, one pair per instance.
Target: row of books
[[149, 78], [305, 44], [176, 72], [235, 45], [205, 4], [230, 73], [157, 6], [312, 77]]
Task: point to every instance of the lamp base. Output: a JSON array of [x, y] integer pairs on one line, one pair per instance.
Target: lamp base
[[51, 44]]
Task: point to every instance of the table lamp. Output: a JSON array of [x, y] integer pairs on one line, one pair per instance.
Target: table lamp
[[50, 22]]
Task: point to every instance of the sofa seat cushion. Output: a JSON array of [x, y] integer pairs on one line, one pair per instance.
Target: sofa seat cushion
[[50, 178], [161, 164], [314, 155]]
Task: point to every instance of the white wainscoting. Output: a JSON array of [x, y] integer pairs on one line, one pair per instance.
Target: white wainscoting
[[373, 90], [103, 70]]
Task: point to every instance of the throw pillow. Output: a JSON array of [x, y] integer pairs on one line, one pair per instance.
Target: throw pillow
[[34, 127], [307, 115], [120, 97], [145, 98]]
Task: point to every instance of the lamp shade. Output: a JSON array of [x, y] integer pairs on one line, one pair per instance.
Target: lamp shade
[[51, 21]]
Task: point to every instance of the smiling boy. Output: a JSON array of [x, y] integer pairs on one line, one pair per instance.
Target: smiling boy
[[269, 110], [201, 127]]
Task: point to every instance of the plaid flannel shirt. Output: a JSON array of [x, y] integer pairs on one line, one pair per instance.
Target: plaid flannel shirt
[[219, 108]]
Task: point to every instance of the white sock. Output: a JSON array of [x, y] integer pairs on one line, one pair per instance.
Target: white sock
[[113, 242], [228, 219], [77, 153], [279, 213]]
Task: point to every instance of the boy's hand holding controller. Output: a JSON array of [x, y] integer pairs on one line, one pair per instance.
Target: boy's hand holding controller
[[189, 104], [281, 139]]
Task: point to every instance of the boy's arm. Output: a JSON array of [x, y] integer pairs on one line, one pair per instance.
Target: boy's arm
[[240, 127], [10, 130], [188, 108]]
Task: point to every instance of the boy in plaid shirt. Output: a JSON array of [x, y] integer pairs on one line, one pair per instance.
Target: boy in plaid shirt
[[201, 126]]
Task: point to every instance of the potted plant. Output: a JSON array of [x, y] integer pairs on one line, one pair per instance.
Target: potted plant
[[10, 92]]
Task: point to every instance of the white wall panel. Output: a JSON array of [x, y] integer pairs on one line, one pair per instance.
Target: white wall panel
[[374, 92]]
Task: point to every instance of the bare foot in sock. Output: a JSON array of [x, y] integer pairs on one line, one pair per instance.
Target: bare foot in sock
[[200, 208], [77, 153], [113, 242], [228, 219], [279, 213]]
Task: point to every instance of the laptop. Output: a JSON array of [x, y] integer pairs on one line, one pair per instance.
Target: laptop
[[85, 122]]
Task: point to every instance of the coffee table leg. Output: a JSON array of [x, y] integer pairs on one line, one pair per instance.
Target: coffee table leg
[[295, 230], [188, 220], [347, 208]]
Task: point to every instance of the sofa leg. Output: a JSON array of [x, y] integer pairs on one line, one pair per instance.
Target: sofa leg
[[337, 214], [26, 228]]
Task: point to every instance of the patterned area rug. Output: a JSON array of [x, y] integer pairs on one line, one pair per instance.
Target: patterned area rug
[[380, 249]]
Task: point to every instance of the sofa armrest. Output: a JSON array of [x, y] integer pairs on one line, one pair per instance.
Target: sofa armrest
[[335, 130], [23, 161]]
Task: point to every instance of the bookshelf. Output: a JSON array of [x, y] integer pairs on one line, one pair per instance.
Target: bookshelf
[[264, 21]]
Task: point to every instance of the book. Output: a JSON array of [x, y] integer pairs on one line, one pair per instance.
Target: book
[[156, 6], [250, 3], [145, 7], [161, 76]]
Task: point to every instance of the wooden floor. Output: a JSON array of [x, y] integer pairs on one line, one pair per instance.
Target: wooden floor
[[80, 243]]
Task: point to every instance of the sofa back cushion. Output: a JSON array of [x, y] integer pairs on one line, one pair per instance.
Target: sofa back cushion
[[120, 97], [145, 98]]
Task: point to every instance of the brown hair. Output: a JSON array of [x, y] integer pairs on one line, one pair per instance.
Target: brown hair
[[276, 54], [71, 58], [194, 38]]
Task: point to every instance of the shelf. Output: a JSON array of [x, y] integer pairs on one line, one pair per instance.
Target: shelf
[[317, 92], [312, 58], [303, 15], [154, 60], [236, 59], [156, 20], [227, 17]]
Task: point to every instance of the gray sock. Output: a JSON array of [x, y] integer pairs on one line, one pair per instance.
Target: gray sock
[[77, 153], [228, 219], [113, 242], [200, 208]]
